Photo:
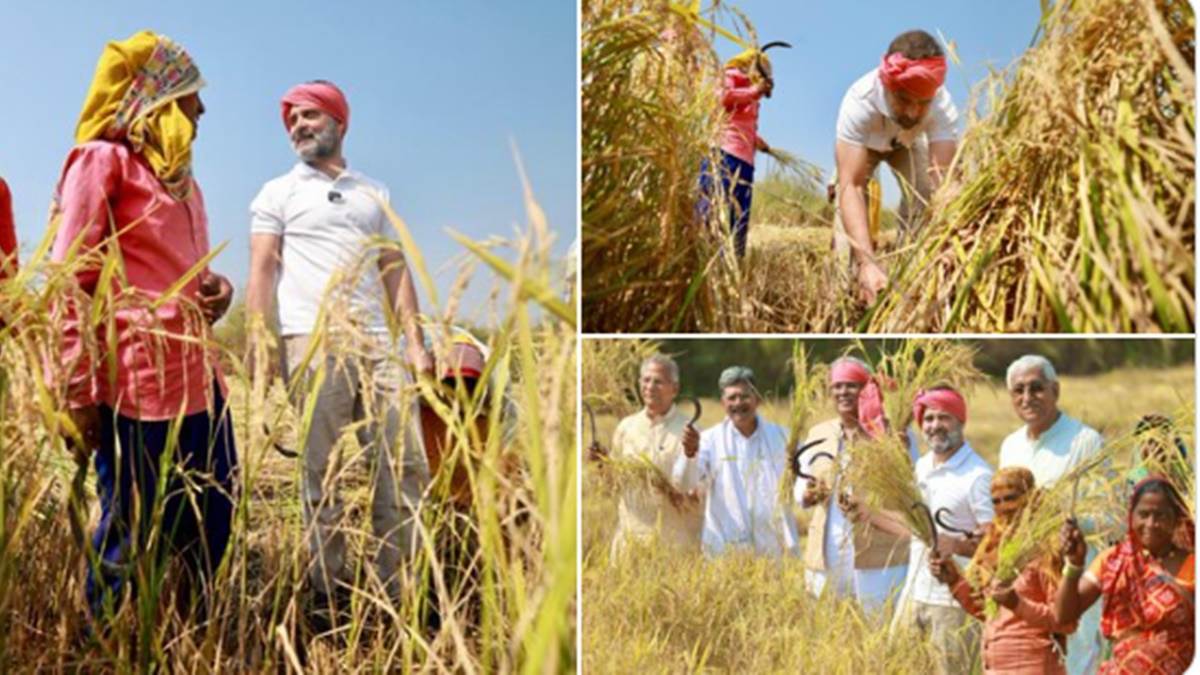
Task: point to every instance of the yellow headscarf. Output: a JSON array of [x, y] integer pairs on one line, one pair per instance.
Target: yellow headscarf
[[134, 96], [745, 63]]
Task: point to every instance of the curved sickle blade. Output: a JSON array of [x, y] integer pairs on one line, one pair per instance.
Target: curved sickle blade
[[942, 512], [290, 454], [799, 453], [932, 525], [592, 418], [775, 43], [695, 410]]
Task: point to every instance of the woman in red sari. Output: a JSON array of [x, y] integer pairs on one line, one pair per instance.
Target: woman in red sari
[[1147, 580]]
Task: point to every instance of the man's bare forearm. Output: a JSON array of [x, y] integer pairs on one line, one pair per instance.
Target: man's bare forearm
[[402, 296], [853, 205]]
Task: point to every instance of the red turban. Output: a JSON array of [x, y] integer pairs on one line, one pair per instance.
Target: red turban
[[870, 397], [324, 96], [919, 77], [945, 400]]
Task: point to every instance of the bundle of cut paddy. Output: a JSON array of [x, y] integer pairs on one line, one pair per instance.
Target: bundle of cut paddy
[[650, 116], [1072, 205]]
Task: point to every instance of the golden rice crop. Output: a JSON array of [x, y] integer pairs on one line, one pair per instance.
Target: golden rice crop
[[1069, 207], [501, 573], [1073, 206]]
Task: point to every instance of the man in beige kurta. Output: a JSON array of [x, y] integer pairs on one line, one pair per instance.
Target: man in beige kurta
[[849, 551], [657, 434]]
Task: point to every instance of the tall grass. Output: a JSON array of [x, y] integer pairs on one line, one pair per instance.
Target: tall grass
[[1074, 206], [1069, 207], [657, 610], [500, 572]]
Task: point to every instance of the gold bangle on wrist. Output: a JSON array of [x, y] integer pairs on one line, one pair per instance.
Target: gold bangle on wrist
[[1071, 570]]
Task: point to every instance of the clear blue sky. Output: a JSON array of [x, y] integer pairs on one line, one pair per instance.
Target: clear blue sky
[[836, 42], [437, 90]]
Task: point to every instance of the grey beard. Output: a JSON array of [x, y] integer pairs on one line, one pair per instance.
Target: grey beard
[[941, 446], [326, 146]]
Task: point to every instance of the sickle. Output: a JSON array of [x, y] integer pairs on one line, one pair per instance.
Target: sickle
[[592, 417], [695, 410], [932, 525], [796, 458], [775, 43], [290, 454], [949, 528]]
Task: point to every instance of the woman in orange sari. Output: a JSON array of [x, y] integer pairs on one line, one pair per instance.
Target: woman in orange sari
[[1023, 636], [1147, 580]]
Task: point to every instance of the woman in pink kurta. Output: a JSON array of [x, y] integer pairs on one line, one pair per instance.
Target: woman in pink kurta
[[141, 380]]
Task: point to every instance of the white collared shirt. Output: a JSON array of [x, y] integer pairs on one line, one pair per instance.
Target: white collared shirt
[[963, 486], [865, 119], [326, 224], [1066, 444], [742, 477]]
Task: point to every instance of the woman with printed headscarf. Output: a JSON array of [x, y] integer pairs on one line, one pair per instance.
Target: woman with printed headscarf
[[140, 377], [747, 81], [1023, 635], [1148, 582]]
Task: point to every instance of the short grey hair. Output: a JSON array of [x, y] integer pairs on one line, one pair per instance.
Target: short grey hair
[[735, 375], [662, 361], [1029, 362]]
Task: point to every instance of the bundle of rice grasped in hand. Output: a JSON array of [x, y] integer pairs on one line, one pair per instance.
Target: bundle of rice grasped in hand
[[1070, 205]]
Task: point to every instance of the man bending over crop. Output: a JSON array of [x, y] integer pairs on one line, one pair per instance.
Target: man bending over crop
[[901, 114]]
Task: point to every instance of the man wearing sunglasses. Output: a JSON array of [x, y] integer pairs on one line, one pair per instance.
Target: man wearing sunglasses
[[1050, 444]]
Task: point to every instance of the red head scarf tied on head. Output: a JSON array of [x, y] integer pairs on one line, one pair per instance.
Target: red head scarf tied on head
[[919, 77], [324, 96], [946, 400], [870, 398]]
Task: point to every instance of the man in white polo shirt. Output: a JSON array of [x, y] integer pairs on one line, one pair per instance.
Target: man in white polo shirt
[[738, 466], [658, 433], [309, 229], [954, 477], [1050, 444], [901, 114]]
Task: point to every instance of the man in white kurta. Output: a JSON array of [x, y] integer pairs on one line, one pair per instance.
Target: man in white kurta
[[657, 434], [954, 477], [739, 465], [1051, 444]]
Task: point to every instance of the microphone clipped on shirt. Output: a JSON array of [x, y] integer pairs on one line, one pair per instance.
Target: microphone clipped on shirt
[[335, 197]]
